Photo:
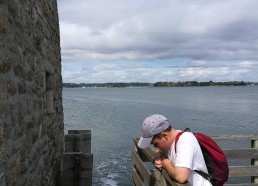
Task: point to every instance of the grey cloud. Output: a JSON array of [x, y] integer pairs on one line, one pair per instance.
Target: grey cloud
[[142, 30], [241, 30]]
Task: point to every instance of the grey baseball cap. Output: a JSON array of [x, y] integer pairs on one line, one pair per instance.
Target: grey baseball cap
[[151, 126]]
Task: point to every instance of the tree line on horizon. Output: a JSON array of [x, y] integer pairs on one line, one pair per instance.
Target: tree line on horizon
[[160, 84], [116, 84]]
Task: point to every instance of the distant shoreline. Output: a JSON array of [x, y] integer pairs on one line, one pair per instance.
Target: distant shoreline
[[158, 84]]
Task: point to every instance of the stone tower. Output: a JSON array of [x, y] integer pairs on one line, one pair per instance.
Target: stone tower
[[31, 113]]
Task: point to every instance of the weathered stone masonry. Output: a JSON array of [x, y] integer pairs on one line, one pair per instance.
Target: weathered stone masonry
[[31, 113]]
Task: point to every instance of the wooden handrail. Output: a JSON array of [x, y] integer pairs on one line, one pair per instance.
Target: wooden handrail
[[235, 137], [143, 175]]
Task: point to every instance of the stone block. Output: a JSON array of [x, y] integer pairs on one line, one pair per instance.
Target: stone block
[[2, 176], [50, 102], [2, 86], [30, 105], [12, 7], [21, 87], [19, 70], [5, 63], [3, 20], [34, 134], [2, 156], [39, 81], [18, 131], [27, 141], [13, 175], [3, 105], [30, 75], [2, 133], [2, 144], [8, 122], [11, 86]]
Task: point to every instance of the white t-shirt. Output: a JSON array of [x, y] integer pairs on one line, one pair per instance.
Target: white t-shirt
[[189, 155]]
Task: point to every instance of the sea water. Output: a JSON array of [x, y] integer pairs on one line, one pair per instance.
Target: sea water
[[115, 115]]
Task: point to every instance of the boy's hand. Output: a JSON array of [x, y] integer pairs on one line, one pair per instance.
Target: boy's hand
[[166, 163], [158, 159], [158, 163]]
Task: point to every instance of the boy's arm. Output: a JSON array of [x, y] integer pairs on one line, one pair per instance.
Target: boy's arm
[[179, 174]]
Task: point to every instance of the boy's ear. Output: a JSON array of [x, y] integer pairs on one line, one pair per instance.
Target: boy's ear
[[164, 134]]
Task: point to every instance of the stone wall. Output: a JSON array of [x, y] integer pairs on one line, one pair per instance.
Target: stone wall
[[31, 113]]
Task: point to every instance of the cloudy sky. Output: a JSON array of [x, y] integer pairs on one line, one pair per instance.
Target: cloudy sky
[[158, 40]]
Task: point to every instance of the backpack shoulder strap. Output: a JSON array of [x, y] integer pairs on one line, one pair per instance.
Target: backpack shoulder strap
[[179, 134], [177, 138]]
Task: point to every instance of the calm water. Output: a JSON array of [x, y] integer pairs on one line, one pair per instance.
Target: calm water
[[114, 116]]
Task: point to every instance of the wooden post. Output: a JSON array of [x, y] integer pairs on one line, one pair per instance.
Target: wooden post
[[77, 159], [77, 169], [254, 162], [69, 174], [86, 165], [78, 141], [84, 144], [70, 141]]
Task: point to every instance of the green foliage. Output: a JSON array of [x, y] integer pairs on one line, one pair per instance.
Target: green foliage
[[208, 83], [113, 85]]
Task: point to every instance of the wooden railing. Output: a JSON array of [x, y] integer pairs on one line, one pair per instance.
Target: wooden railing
[[144, 173]]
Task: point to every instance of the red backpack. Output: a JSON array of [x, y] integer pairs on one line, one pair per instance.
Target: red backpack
[[215, 159]]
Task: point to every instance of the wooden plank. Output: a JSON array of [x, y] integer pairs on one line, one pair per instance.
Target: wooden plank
[[145, 173], [145, 154], [162, 182], [142, 154], [159, 179], [248, 137], [85, 169], [78, 142], [245, 153], [79, 131], [168, 179], [243, 171], [68, 171], [254, 162], [84, 143], [136, 179], [77, 168], [172, 182], [235, 137], [69, 143]]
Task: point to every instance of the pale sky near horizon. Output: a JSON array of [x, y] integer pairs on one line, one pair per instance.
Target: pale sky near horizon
[[158, 40]]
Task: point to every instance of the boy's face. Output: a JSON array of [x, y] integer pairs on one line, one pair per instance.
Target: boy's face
[[161, 142]]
